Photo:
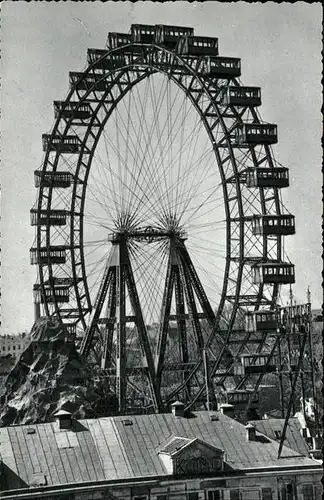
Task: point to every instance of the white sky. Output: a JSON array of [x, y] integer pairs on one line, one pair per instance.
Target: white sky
[[279, 45]]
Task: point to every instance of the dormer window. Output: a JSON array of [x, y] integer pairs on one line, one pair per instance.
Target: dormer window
[[200, 465], [190, 457]]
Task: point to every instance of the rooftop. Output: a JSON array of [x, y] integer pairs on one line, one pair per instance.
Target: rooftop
[[273, 428], [106, 449]]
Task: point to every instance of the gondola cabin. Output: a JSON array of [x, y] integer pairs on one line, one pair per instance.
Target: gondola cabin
[[143, 33], [115, 40], [256, 133], [177, 64], [242, 96], [47, 294], [47, 217], [50, 255], [101, 59], [78, 110], [256, 321], [87, 82], [267, 177], [273, 225], [241, 398], [52, 179], [169, 35], [258, 363], [273, 272], [61, 144], [223, 67], [202, 46]]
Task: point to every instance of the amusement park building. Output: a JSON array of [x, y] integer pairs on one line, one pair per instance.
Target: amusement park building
[[176, 456]]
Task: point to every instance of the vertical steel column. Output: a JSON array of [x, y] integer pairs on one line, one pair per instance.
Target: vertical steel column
[[311, 353], [196, 283], [207, 379], [141, 329], [109, 327], [99, 302], [281, 388], [289, 334], [181, 324], [165, 316], [302, 378], [192, 309], [121, 360]]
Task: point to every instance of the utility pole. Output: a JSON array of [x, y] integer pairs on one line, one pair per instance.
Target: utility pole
[[289, 336]]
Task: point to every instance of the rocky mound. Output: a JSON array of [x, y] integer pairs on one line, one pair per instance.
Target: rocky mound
[[51, 375]]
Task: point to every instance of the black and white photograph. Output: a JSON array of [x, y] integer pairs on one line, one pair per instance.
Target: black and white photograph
[[161, 306]]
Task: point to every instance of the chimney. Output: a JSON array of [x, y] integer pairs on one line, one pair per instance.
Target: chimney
[[317, 442], [227, 409], [316, 451], [250, 432], [64, 419], [178, 409], [305, 432]]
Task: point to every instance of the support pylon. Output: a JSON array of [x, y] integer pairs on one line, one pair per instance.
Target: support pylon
[[117, 282], [184, 290]]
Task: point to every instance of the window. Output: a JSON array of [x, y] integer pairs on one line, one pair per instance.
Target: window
[[235, 495], [266, 493], [308, 492], [197, 465], [251, 494], [193, 496], [161, 497], [216, 464], [287, 492], [215, 495], [318, 491]]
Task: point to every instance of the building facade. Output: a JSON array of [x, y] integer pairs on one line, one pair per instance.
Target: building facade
[[13, 344], [175, 456]]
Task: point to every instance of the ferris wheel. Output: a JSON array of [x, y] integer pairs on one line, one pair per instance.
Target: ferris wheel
[[159, 221]]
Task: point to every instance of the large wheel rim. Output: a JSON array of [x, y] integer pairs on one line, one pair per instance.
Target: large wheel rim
[[240, 203]]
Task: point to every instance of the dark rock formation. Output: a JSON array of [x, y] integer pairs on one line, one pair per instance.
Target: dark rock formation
[[51, 375]]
